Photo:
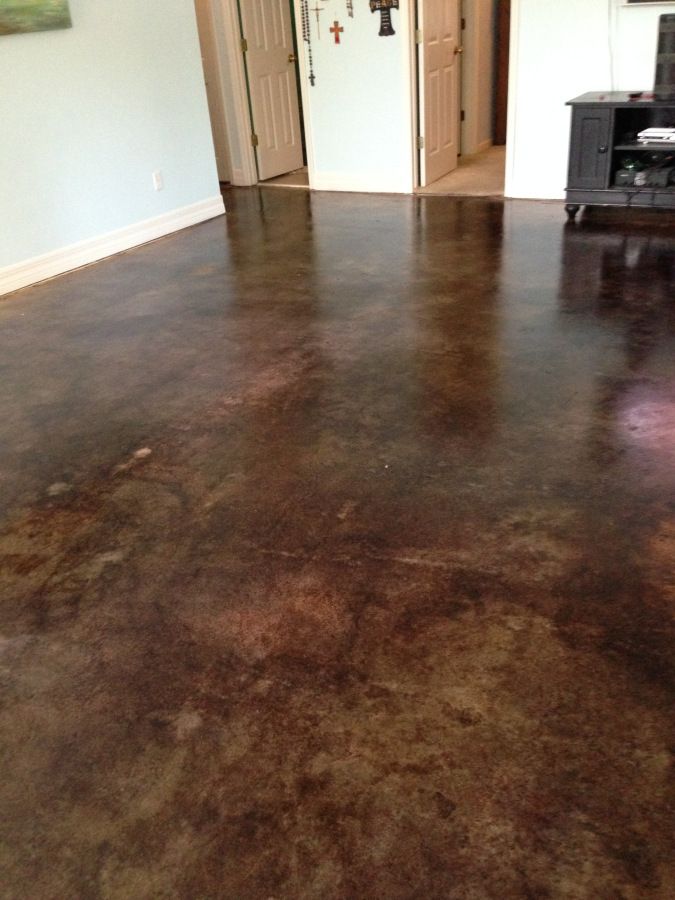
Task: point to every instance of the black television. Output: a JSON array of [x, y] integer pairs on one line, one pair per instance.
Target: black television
[[664, 81]]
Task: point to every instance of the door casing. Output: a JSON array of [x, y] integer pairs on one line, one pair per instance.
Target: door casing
[[212, 80], [268, 27], [512, 102], [441, 136], [233, 75], [239, 123]]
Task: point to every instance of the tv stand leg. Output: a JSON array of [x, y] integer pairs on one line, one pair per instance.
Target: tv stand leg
[[572, 209]]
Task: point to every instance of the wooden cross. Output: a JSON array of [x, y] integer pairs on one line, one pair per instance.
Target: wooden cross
[[337, 30], [318, 10]]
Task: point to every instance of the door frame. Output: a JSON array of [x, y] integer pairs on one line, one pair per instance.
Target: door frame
[[418, 80], [238, 124], [233, 84], [214, 93], [512, 101], [512, 108]]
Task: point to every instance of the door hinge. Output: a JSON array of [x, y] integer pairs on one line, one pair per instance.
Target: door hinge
[[244, 45], [420, 143], [462, 116], [418, 36], [463, 23], [254, 140]]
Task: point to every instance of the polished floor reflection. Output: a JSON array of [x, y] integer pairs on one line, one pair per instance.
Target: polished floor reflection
[[337, 558]]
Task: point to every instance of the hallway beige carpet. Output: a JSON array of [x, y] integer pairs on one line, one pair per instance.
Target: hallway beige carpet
[[296, 179], [478, 175]]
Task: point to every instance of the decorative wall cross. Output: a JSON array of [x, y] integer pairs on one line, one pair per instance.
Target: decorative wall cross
[[337, 30], [384, 8], [317, 10]]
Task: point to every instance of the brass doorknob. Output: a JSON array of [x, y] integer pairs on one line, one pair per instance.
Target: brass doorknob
[[292, 57], [459, 50]]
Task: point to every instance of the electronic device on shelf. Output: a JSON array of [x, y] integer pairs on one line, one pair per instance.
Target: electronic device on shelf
[[659, 176], [657, 136], [624, 178], [662, 177]]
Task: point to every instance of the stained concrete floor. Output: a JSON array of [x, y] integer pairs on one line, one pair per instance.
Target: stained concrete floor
[[337, 559]]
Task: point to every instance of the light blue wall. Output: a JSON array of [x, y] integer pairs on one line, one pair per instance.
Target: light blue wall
[[87, 114], [360, 108]]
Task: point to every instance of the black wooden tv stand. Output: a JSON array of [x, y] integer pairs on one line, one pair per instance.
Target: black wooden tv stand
[[604, 138]]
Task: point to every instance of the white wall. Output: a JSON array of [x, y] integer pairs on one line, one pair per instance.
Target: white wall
[[87, 114], [360, 110], [478, 75], [558, 51], [637, 28]]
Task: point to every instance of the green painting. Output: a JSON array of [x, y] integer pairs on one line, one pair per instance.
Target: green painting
[[33, 15]]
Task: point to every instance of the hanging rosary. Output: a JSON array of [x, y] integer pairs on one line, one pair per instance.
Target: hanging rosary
[[384, 6], [307, 38]]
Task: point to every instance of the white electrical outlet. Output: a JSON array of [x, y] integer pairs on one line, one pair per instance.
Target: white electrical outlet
[[158, 180]]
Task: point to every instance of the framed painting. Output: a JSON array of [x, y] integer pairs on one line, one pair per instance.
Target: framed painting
[[17, 16]]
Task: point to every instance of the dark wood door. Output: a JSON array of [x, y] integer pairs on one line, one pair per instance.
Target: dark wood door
[[502, 69]]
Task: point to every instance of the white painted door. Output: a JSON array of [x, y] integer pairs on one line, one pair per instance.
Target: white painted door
[[440, 50], [214, 96], [272, 85]]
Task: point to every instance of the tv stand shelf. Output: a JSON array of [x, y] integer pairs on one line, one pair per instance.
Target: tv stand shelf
[[651, 148], [604, 132]]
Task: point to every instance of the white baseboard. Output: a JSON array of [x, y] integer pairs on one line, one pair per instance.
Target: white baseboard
[[39, 268], [382, 183], [484, 145], [523, 192]]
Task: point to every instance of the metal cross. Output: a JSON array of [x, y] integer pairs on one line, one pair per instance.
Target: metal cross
[[318, 10]]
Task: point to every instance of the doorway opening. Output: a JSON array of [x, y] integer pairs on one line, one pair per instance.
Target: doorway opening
[[463, 69], [270, 53], [251, 69]]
